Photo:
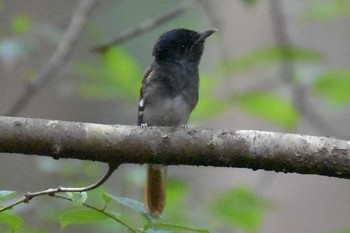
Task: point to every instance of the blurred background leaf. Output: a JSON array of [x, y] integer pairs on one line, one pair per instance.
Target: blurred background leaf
[[251, 2], [82, 216], [5, 194], [334, 85], [10, 222], [270, 107], [115, 77], [209, 105], [261, 58], [320, 10], [177, 191], [21, 24], [240, 208], [344, 231]]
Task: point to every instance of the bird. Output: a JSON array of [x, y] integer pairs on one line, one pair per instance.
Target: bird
[[168, 95]]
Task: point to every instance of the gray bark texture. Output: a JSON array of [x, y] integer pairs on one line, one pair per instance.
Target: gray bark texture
[[117, 144]]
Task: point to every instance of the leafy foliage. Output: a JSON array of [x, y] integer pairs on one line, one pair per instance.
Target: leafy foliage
[[240, 208], [268, 56], [176, 198], [251, 2], [270, 107], [344, 231], [77, 198], [21, 24], [83, 213], [5, 194], [209, 104], [9, 222], [116, 76], [82, 216], [131, 203], [13, 222], [334, 85], [320, 10]]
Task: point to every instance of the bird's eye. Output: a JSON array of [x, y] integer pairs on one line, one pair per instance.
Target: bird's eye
[[182, 48]]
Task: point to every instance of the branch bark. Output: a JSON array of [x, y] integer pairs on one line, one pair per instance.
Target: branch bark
[[116, 144]]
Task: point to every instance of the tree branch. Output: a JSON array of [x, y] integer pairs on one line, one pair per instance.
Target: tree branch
[[116, 144], [52, 191], [145, 26]]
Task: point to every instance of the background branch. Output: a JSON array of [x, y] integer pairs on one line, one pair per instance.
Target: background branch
[[116, 144], [288, 68], [145, 26], [58, 58]]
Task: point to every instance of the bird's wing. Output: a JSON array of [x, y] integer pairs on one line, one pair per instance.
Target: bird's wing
[[146, 77]]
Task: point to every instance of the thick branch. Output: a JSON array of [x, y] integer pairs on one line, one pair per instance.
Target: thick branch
[[116, 144]]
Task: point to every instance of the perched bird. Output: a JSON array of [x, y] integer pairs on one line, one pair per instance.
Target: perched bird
[[168, 95]]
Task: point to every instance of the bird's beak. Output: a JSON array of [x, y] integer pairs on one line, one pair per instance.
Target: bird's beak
[[204, 35]]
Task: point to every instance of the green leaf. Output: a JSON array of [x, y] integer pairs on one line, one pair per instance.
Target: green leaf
[[251, 2], [177, 192], [97, 82], [270, 107], [117, 76], [13, 221], [134, 205], [270, 55], [21, 24], [77, 198], [106, 198], [344, 231], [208, 105], [124, 72], [128, 202], [240, 208], [5, 194], [334, 85], [327, 10], [83, 216]]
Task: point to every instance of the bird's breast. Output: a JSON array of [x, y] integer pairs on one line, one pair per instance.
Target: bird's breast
[[169, 111]]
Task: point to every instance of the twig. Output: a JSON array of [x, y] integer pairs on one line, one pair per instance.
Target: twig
[[28, 196], [101, 211], [145, 26], [58, 58]]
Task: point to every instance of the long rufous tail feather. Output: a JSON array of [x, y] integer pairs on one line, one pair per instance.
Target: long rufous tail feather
[[155, 197]]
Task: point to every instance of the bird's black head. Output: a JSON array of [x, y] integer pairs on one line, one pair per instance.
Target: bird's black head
[[180, 45]]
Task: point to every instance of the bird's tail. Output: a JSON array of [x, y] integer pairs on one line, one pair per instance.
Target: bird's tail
[[155, 197]]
